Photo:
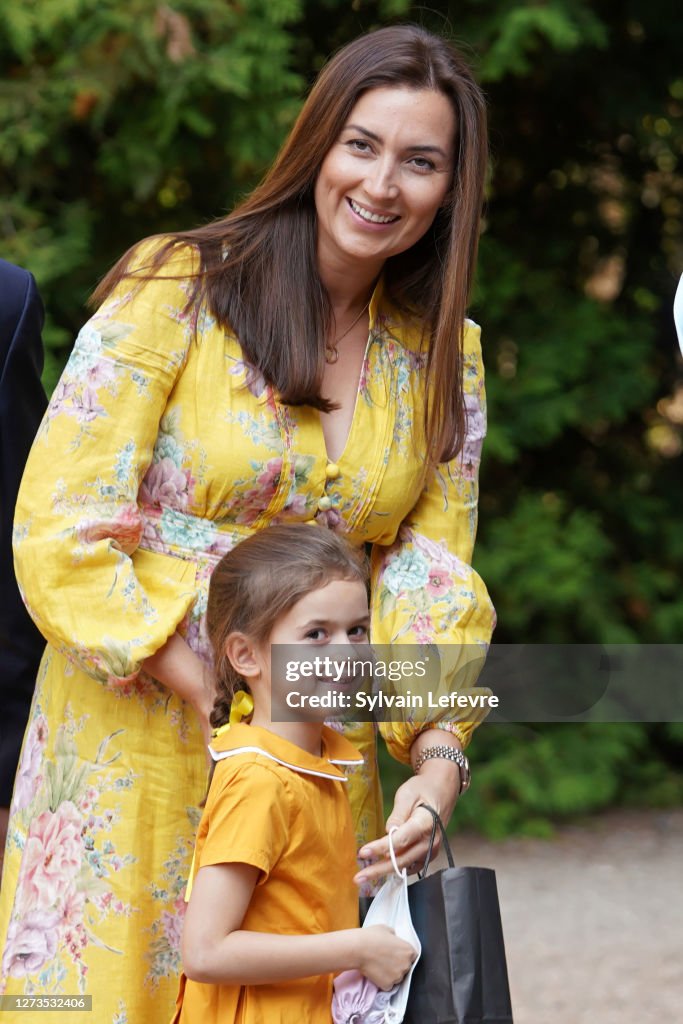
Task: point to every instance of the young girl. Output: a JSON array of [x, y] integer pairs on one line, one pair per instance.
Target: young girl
[[273, 911]]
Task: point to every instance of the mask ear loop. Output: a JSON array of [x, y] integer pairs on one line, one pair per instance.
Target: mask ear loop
[[400, 872]]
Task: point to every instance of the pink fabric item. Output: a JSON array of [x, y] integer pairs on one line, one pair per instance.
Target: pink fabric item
[[357, 1000]]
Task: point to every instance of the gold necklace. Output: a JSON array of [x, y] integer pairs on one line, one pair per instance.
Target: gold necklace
[[331, 351]]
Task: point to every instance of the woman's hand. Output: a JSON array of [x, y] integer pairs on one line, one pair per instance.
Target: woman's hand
[[384, 958], [437, 784]]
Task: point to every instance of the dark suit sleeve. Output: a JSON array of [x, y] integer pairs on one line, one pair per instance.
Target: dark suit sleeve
[[22, 404]]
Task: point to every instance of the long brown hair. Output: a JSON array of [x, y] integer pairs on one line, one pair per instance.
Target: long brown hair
[[262, 578], [258, 272]]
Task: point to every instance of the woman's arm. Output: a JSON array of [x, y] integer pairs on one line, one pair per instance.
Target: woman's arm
[[96, 595], [216, 951], [179, 669], [440, 601]]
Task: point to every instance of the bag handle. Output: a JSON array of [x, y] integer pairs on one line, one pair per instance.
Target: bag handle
[[437, 821]]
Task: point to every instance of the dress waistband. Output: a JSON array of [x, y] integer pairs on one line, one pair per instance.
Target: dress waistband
[[171, 532]]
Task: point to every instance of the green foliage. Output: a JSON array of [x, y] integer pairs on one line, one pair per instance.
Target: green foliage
[[118, 121], [559, 558], [520, 31], [122, 120]]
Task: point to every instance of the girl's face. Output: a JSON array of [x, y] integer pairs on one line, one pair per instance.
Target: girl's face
[[383, 180], [335, 614], [325, 619]]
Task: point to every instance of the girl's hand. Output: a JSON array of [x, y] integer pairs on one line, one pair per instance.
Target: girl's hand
[[384, 958]]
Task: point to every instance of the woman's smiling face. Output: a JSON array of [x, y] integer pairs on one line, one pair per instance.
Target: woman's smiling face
[[383, 180]]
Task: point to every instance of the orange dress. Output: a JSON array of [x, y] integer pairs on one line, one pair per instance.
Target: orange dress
[[285, 811]]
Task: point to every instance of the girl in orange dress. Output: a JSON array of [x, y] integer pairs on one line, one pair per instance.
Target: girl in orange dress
[[273, 910]]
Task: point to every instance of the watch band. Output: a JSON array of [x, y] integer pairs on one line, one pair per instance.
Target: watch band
[[448, 754]]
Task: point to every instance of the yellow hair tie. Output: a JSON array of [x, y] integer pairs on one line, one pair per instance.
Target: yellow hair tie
[[241, 707]]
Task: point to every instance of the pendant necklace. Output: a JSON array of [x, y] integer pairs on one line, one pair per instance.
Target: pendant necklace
[[331, 351]]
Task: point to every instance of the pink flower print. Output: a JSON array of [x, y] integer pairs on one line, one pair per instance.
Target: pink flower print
[[364, 373], [423, 627], [253, 378], [165, 484], [469, 465], [73, 905], [439, 583], [255, 381], [197, 638], [62, 394], [416, 360], [124, 529], [258, 498], [474, 435], [87, 801], [52, 856], [270, 477], [101, 372], [331, 519], [75, 940], [103, 902], [437, 553], [152, 536], [28, 777], [125, 685], [173, 929], [296, 505], [86, 405], [31, 942]]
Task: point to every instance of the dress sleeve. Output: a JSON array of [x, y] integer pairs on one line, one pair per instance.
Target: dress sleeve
[[246, 818], [424, 590], [96, 596]]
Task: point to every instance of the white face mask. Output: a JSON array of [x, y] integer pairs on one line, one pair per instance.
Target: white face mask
[[678, 312], [356, 1000]]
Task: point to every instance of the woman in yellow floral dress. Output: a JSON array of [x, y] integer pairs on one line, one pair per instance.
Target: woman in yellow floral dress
[[271, 367]]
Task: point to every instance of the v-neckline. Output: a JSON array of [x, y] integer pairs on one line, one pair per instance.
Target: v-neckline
[[373, 317], [352, 424]]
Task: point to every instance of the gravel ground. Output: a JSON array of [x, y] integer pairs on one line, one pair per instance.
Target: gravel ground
[[593, 919]]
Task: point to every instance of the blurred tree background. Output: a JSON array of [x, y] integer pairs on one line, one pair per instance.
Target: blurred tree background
[[122, 120]]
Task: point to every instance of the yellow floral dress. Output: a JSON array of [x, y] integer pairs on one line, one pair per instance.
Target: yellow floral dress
[[159, 451]]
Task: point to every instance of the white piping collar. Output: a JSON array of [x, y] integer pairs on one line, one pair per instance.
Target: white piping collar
[[222, 754]]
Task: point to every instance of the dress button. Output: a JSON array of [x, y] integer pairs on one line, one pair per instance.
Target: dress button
[[325, 503], [332, 471]]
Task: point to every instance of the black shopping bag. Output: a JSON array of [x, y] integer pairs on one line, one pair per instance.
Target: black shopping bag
[[461, 977]]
